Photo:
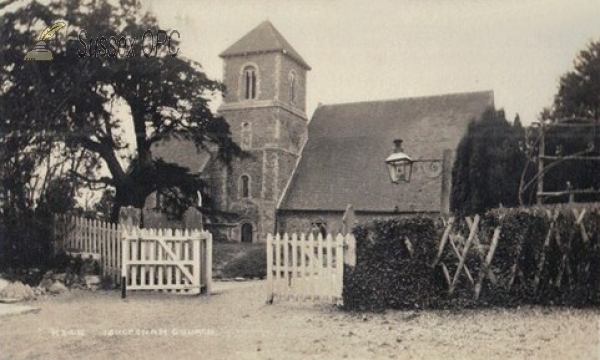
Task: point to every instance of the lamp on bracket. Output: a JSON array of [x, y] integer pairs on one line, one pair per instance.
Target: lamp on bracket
[[399, 164]]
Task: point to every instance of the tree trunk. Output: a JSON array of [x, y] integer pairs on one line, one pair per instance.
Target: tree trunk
[[133, 189], [127, 196]]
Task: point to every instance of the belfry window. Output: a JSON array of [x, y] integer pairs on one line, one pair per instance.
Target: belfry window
[[250, 83]]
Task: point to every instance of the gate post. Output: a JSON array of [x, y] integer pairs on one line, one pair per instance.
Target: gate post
[[270, 268], [129, 218], [350, 253], [208, 265], [349, 220]]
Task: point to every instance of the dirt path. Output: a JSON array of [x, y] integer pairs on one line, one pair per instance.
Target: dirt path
[[235, 323]]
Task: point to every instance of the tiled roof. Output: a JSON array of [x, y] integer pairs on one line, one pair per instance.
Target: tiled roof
[[343, 160], [181, 152], [263, 38]]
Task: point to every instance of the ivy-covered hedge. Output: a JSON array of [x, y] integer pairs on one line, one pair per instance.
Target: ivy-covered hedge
[[390, 275]]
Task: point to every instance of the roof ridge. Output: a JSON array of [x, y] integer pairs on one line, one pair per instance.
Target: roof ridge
[[276, 34], [491, 92]]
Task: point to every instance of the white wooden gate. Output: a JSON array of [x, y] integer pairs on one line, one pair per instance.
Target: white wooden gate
[[305, 267], [166, 259]]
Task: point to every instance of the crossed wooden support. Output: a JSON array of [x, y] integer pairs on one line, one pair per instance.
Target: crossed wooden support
[[460, 249], [565, 263]]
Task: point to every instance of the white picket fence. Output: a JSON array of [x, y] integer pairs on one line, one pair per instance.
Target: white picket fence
[[171, 260], [308, 267], [91, 238], [149, 259]]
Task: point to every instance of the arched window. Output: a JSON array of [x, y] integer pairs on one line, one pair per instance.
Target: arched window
[[249, 83], [246, 135], [245, 186], [293, 87]]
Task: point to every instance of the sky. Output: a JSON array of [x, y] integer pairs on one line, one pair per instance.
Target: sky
[[375, 50]]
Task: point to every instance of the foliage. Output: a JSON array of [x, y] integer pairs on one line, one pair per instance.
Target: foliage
[[103, 206], [579, 89], [529, 267], [27, 238], [252, 264], [386, 275], [27, 231], [488, 165], [67, 105], [58, 198]]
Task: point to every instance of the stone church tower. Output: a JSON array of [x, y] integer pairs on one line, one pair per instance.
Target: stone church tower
[[265, 106]]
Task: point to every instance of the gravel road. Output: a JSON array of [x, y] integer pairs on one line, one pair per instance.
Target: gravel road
[[235, 323]]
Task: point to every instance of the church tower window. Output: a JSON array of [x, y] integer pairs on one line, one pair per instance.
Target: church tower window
[[249, 83], [293, 87], [245, 186], [246, 135]]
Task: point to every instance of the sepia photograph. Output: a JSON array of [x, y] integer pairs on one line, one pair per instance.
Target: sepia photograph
[[280, 179]]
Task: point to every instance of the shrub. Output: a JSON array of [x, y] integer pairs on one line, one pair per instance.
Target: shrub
[[26, 239], [253, 264], [388, 275]]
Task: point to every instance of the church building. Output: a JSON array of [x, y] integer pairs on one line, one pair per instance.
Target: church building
[[299, 174]]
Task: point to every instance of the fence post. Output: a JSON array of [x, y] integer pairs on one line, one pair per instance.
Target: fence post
[[349, 220], [339, 267], [208, 262], [350, 253], [124, 258], [269, 269], [129, 219], [197, 238]]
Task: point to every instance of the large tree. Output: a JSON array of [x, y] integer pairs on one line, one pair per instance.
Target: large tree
[[71, 101], [489, 160], [579, 89]]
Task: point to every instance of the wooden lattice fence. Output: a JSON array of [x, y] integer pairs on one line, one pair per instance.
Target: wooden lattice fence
[[460, 248], [466, 254]]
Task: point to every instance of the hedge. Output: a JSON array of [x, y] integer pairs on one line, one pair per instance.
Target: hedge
[[388, 275]]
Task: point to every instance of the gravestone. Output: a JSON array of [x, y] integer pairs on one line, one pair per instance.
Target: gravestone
[[192, 219], [154, 219], [130, 217]]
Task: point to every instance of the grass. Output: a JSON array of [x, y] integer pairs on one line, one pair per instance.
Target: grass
[[231, 260]]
